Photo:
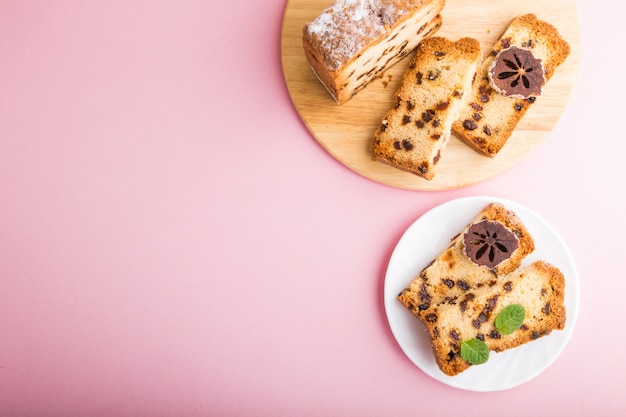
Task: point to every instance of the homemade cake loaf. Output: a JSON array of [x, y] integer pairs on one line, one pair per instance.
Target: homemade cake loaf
[[413, 135], [539, 288], [466, 294], [498, 101], [352, 41], [453, 273]]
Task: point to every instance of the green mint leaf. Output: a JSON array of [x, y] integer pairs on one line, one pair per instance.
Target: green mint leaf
[[475, 351], [510, 318]]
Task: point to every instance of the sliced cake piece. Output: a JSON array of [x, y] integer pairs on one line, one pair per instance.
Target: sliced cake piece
[[353, 41], [509, 81], [535, 294], [494, 243], [412, 135]]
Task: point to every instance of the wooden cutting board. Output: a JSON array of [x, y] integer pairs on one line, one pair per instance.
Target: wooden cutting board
[[346, 131]]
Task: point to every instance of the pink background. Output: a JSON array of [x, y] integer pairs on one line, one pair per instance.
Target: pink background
[[174, 242]]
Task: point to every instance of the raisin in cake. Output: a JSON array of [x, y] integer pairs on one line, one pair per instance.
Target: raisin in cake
[[352, 41], [539, 288], [496, 241], [509, 81], [413, 135]]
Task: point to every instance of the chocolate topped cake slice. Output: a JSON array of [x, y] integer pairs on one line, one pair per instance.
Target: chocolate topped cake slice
[[510, 79], [494, 243], [475, 297]]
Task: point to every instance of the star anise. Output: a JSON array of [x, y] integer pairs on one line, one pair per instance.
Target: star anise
[[516, 72], [489, 243]]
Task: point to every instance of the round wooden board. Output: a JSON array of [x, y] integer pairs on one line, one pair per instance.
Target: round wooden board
[[346, 131]]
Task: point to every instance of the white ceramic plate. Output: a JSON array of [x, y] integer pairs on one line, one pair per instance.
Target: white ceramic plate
[[422, 242]]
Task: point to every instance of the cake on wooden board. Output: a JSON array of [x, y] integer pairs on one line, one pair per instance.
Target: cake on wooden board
[[413, 135], [491, 114], [351, 42]]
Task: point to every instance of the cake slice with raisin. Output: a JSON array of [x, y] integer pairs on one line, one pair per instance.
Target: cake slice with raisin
[[493, 244], [350, 43], [486, 316], [509, 81], [413, 135]]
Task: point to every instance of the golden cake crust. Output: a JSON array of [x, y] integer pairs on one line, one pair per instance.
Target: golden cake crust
[[489, 118], [539, 288], [413, 135], [451, 274], [351, 42], [457, 299]]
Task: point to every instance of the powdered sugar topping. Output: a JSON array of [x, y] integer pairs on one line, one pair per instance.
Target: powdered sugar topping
[[345, 27]]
